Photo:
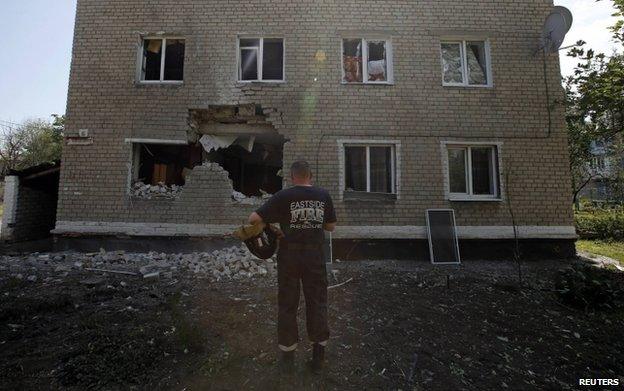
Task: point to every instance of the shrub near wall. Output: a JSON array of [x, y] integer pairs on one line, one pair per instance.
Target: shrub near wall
[[607, 224]]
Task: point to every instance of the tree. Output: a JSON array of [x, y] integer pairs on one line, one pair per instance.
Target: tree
[[595, 103], [32, 143]]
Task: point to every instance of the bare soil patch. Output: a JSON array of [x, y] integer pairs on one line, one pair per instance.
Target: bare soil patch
[[396, 325]]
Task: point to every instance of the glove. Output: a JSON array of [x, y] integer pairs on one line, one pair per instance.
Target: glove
[[249, 231]]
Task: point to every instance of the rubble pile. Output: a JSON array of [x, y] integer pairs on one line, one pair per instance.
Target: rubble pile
[[147, 191], [233, 263], [243, 199]]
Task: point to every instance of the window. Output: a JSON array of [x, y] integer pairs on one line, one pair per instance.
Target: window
[[261, 59], [366, 61], [370, 168], [466, 63], [473, 172], [162, 60], [597, 163]]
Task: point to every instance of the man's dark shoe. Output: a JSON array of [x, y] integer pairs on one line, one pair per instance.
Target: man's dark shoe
[[318, 359], [287, 362]]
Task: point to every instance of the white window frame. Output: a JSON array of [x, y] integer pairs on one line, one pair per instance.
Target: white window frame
[[260, 57], [496, 179], [464, 60], [141, 62], [389, 62], [395, 146]]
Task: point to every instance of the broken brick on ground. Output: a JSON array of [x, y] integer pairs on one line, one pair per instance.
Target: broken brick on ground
[[396, 325], [230, 263]]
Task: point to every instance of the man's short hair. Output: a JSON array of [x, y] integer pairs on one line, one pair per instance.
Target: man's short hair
[[300, 169]]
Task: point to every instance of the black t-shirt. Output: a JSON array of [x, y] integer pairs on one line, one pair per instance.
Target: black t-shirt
[[301, 212]]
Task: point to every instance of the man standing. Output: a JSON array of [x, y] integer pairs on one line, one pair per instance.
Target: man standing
[[303, 212]]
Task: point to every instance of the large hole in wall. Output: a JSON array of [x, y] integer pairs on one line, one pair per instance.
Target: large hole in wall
[[253, 163]]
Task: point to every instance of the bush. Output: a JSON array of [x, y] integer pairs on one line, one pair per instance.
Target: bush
[[600, 224], [587, 287]]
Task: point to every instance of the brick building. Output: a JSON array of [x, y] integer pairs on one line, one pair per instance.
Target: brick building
[[182, 113]]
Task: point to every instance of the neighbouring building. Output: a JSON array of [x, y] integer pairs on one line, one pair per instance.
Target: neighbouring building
[[605, 172], [183, 115], [30, 197]]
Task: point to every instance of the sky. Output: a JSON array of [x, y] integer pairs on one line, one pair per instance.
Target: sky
[[36, 40]]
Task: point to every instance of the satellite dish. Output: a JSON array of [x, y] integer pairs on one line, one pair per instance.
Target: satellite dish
[[556, 26]]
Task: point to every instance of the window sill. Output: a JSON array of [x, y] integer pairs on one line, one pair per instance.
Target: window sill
[[368, 197], [474, 199], [260, 82], [159, 83], [489, 86], [386, 83]]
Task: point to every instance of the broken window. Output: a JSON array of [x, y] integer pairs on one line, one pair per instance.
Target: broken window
[[473, 171], [370, 168], [159, 170], [254, 162], [465, 63], [163, 60], [366, 61], [261, 59]]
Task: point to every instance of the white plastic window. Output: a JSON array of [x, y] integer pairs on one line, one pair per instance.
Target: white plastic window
[[466, 63]]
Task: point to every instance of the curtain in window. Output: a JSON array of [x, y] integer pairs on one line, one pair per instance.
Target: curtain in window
[[381, 170], [352, 60], [376, 61], [477, 71], [452, 63], [457, 170], [355, 168], [482, 171]]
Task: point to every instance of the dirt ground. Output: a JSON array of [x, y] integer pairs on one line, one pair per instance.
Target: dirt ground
[[395, 325]]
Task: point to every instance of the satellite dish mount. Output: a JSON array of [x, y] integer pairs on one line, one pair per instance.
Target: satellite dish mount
[[556, 26]]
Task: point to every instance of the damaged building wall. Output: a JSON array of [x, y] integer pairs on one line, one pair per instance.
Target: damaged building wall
[[29, 208], [313, 110]]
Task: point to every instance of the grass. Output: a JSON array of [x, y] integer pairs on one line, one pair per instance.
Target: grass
[[1, 209], [613, 250]]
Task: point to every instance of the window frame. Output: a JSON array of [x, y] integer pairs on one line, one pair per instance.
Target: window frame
[[389, 62], [495, 156], [260, 58], [141, 60], [395, 146], [464, 60]]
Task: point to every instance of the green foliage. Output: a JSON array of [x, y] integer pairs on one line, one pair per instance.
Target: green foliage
[[594, 100], [43, 144], [607, 224], [588, 287], [32, 143]]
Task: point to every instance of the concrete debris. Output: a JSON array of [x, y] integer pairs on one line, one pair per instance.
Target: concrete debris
[[243, 199], [151, 275], [146, 191], [233, 263]]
